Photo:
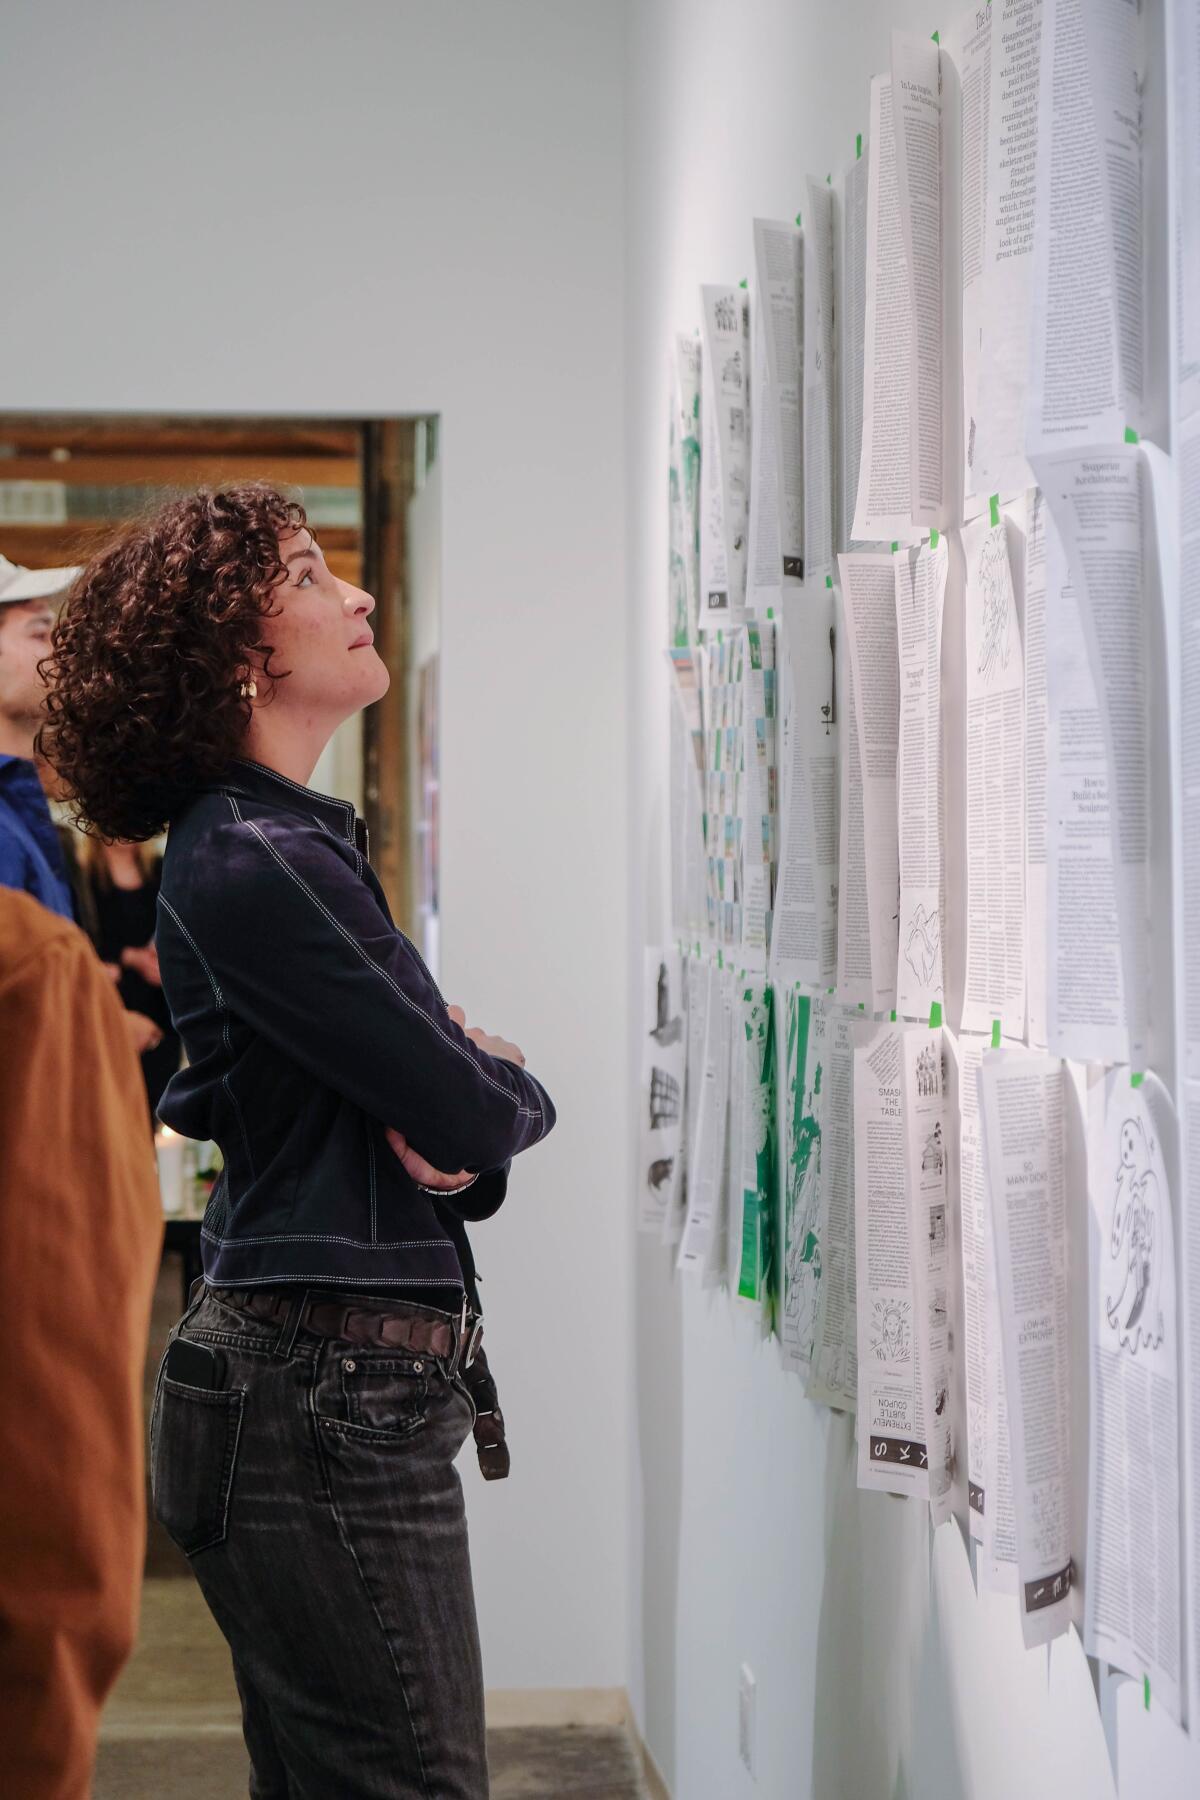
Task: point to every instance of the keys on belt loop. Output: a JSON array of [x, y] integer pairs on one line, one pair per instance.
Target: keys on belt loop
[[465, 1314], [459, 1335]]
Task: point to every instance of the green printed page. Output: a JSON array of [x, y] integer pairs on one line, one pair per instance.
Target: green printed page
[[684, 492], [755, 1021], [801, 1246], [677, 547]]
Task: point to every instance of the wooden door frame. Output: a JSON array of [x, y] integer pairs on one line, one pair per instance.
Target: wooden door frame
[[388, 473]]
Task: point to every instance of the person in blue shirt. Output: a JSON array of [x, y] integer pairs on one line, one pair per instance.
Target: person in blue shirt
[[31, 857]]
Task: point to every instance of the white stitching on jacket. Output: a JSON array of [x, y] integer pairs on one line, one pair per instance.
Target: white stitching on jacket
[[299, 788], [358, 862], [163, 901], [224, 1012], [320, 1237], [245, 1281]]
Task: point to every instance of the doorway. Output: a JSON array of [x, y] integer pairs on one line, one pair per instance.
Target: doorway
[[370, 487]]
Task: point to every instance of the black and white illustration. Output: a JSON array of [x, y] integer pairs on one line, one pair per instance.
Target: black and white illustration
[[665, 1094], [1137, 1246], [890, 1331], [922, 942], [668, 1012], [929, 1073], [933, 1162], [664, 1023], [726, 311], [998, 631]]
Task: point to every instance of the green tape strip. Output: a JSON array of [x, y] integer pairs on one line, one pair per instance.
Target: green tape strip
[[829, 181], [720, 960], [936, 38], [933, 538], [1131, 436], [770, 612], [995, 1034], [1146, 1692], [800, 220], [893, 1015], [742, 282], [857, 145], [994, 506], [829, 581], [895, 546], [1136, 1078], [862, 1006], [935, 1016]]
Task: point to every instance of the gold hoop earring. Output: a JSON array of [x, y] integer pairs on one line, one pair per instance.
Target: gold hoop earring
[[249, 689]]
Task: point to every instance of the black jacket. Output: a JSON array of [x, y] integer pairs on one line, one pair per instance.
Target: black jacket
[[310, 1023]]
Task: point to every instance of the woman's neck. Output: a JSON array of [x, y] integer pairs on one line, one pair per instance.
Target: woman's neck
[[291, 750]]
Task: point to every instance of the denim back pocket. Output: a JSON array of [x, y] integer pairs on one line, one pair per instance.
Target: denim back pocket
[[381, 1396], [193, 1453]]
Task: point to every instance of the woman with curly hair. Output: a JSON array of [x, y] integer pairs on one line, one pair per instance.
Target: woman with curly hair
[[316, 1391]]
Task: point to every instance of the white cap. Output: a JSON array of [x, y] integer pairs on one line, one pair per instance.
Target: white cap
[[20, 583]]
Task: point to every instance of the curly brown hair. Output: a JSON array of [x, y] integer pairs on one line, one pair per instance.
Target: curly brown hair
[[150, 649]]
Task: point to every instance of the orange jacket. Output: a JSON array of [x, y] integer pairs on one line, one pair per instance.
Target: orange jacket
[[80, 1237]]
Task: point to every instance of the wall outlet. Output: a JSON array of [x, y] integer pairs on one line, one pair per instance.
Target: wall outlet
[[747, 1688]]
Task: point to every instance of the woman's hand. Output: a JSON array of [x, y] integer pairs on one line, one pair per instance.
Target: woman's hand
[[422, 1172], [494, 1046], [144, 960], [144, 1034]]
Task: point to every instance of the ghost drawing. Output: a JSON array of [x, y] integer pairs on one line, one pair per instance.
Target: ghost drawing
[[1139, 1222], [921, 950]]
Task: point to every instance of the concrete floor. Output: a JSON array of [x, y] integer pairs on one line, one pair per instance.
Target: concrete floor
[[172, 1728]]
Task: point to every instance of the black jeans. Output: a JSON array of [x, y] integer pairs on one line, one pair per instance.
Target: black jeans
[[316, 1496]]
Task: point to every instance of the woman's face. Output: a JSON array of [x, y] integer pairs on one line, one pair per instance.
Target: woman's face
[[322, 633]]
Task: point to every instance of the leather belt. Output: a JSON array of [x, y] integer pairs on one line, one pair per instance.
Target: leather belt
[[359, 1324]]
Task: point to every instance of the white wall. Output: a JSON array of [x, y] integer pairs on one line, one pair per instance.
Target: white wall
[[880, 1674], [381, 208]]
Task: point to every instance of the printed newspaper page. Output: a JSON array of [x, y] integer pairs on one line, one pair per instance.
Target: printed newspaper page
[[1023, 1101], [1133, 1613], [892, 1454]]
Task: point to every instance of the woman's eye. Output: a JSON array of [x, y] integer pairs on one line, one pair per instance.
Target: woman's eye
[[305, 575]]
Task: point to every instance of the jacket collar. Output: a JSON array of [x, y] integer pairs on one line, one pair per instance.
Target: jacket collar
[[254, 778]]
